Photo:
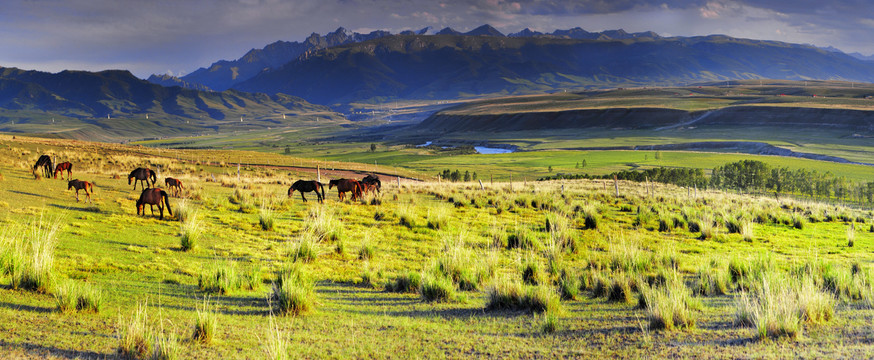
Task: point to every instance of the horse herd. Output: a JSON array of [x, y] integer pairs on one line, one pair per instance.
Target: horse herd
[[156, 196]]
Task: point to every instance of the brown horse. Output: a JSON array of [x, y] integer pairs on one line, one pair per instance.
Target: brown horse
[[81, 185], [64, 166], [344, 185], [307, 186], [44, 162], [153, 197], [372, 182], [142, 174], [175, 185]]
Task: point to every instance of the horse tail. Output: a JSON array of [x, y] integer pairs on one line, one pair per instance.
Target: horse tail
[[90, 187], [166, 201], [321, 186]]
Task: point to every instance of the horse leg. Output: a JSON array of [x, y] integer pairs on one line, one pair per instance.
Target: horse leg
[[303, 197], [161, 210], [77, 193]]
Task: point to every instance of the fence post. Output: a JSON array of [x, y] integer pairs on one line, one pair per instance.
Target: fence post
[[616, 184], [481, 185]]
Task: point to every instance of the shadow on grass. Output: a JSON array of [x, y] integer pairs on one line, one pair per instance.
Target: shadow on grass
[[91, 209], [41, 351], [24, 193], [37, 309]]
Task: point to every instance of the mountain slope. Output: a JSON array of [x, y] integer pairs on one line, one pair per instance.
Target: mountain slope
[[452, 66], [223, 74], [117, 104]]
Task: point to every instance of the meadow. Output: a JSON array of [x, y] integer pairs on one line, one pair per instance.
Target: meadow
[[424, 269]]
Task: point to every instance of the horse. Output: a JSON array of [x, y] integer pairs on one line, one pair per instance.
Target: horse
[[81, 185], [174, 184], [153, 197], [142, 174], [307, 186], [372, 181], [45, 162], [64, 166], [344, 185]]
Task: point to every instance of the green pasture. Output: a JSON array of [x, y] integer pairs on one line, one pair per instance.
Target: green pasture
[[139, 260]]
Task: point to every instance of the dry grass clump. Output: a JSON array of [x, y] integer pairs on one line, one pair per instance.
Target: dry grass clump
[[29, 256], [191, 230], [506, 294], [324, 224], [72, 296], [134, 338], [276, 343], [293, 292], [670, 306], [205, 324], [779, 306], [305, 247]]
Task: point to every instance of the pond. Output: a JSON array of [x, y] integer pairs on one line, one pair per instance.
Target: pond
[[488, 150]]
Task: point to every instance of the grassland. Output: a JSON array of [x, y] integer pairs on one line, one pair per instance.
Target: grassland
[[561, 236]]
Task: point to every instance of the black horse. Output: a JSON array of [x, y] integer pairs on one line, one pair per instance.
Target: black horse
[[81, 185], [307, 186], [142, 174], [154, 197], [372, 181], [44, 162]]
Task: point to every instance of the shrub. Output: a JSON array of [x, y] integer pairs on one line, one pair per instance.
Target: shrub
[[293, 292], [205, 323]]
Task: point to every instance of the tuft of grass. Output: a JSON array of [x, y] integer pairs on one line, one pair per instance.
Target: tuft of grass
[[851, 235], [134, 339], [266, 217], [406, 216], [276, 344], [405, 283], [293, 292], [205, 323], [569, 285], [166, 347], [671, 305], [304, 248], [506, 294], [712, 281], [438, 218], [72, 296], [191, 231], [550, 322], [778, 307], [324, 224], [28, 256], [437, 288], [220, 278]]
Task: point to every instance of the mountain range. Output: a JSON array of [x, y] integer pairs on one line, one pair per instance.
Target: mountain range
[[116, 103], [343, 66], [224, 74]]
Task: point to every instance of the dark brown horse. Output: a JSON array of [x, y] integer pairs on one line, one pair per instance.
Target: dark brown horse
[[371, 182], [153, 197], [64, 166], [142, 174], [344, 185], [44, 162], [307, 186], [175, 185], [81, 185]]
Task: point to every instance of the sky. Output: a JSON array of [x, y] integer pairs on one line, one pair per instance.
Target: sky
[[178, 36]]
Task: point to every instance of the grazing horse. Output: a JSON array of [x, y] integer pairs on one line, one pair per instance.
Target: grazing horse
[[153, 197], [344, 185], [44, 162], [307, 186], [372, 182], [81, 185], [64, 166], [174, 184], [142, 174]]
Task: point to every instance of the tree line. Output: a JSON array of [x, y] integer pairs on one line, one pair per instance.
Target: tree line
[[750, 176]]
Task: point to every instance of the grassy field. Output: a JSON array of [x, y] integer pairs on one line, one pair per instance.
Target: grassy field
[[522, 269]]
